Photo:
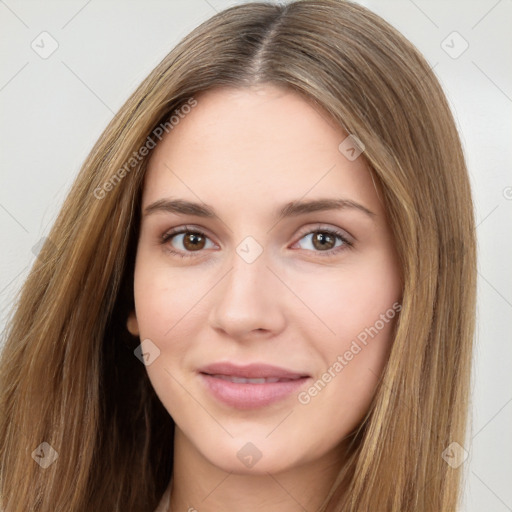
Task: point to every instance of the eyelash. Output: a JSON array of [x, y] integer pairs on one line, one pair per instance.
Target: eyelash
[[187, 254]]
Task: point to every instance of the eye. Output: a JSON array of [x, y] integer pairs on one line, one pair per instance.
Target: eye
[[325, 241], [193, 240]]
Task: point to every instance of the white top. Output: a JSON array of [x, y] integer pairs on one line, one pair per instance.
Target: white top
[[163, 506]]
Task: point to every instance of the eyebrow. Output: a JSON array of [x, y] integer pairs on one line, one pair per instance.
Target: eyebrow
[[291, 209]]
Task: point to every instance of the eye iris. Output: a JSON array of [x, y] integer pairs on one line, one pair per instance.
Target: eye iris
[[193, 241], [320, 238]]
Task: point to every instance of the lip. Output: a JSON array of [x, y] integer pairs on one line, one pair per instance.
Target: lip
[[222, 380]]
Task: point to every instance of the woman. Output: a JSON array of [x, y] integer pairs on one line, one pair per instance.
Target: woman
[[260, 291]]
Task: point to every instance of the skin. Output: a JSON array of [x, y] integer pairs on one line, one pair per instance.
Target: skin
[[246, 152]]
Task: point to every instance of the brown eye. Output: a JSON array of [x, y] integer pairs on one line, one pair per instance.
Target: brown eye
[[325, 242], [184, 241], [322, 240], [194, 241]]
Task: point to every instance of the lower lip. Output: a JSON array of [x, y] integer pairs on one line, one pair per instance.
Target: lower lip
[[250, 396]]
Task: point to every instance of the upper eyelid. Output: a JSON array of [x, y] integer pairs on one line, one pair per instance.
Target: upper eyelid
[[322, 227]]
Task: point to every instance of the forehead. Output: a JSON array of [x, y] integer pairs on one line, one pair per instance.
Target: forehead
[[255, 145], [255, 121]]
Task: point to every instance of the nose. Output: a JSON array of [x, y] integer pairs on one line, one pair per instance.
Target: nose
[[249, 300]]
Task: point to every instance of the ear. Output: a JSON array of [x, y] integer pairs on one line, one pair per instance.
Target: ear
[[132, 325]]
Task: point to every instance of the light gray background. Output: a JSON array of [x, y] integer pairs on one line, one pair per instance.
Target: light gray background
[[53, 110]]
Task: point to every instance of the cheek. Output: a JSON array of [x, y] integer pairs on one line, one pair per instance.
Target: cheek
[[164, 297], [170, 307], [358, 307], [353, 374], [164, 302], [349, 300]]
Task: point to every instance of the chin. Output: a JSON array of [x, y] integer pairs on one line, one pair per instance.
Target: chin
[[243, 457]]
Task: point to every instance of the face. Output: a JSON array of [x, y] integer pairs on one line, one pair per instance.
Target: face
[[266, 315]]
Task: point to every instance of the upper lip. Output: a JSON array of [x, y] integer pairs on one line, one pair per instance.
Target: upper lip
[[251, 371]]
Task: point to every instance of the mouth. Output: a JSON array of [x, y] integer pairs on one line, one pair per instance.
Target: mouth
[[241, 380], [251, 386]]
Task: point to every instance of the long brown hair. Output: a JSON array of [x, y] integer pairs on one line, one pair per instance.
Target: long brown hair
[[69, 376]]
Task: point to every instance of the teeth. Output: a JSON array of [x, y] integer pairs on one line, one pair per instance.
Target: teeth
[[241, 380]]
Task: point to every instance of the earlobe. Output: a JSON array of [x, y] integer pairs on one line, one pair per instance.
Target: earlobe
[[132, 325]]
